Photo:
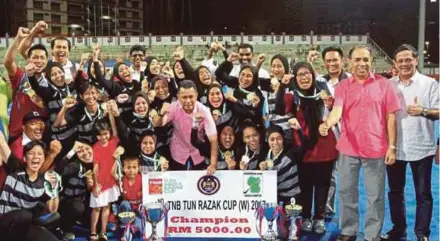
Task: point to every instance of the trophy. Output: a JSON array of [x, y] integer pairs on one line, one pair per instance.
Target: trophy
[[269, 211], [52, 184], [126, 219], [156, 212], [293, 211]]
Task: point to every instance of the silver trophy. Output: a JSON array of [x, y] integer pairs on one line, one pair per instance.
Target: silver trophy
[[269, 211], [293, 211], [155, 212]]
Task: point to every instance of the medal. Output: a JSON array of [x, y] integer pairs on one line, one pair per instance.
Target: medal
[[120, 150], [269, 163], [274, 81], [162, 160], [228, 155], [245, 159], [250, 96], [323, 94]]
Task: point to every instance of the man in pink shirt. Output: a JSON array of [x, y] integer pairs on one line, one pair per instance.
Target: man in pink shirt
[[367, 104], [184, 114]]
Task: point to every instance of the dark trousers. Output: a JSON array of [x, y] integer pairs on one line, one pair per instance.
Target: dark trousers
[[73, 210], [314, 181], [189, 165], [17, 226], [421, 173]]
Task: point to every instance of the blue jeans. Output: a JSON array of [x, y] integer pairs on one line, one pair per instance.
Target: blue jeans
[[125, 206], [421, 173]]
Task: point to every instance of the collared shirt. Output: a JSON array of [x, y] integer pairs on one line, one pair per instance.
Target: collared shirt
[[137, 75], [209, 63], [68, 75], [415, 134], [364, 112], [180, 144], [25, 140]]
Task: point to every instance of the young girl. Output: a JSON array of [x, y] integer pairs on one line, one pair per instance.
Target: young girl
[[105, 189], [150, 159], [254, 150]]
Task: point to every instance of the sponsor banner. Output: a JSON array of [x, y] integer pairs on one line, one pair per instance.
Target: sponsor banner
[[221, 205]]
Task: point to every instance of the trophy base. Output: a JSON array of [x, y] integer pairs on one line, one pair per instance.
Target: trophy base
[[155, 238], [269, 237]]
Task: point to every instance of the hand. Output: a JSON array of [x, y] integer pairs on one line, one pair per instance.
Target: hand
[[165, 108], [69, 102], [260, 60], [214, 47], [390, 156], [151, 95], [84, 59], [55, 147], [323, 129], [233, 57], [166, 69], [96, 51], [40, 27], [144, 86], [164, 164], [30, 69], [255, 100], [231, 163], [263, 165], [416, 109], [112, 107], [211, 169], [122, 98], [22, 33], [275, 84], [294, 124], [97, 190], [178, 54], [243, 166], [220, 46], [89, 181], [313, 54], [286, 79], [229, 94]]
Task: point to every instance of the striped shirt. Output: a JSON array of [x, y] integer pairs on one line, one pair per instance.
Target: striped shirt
[[287, 173], [74, 185], [18, 191], [415, 134]]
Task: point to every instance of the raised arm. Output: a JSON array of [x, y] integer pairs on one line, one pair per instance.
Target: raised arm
[[113, 88], [9, 60], [224, 69], [40, 27]]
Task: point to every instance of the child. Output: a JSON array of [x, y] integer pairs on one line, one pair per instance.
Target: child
[[132, 191], [105, 189]]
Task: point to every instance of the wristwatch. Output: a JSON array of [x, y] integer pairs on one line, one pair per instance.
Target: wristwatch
[[424, 112]]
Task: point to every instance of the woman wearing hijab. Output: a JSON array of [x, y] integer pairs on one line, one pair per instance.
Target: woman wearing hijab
[[221, 109], [203, 79], [307, 108]]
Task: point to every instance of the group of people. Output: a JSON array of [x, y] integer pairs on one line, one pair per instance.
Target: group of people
[[71, 125]]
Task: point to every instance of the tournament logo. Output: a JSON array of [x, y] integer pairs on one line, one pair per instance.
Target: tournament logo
[[155, 186], [208, 185], [252, 184]]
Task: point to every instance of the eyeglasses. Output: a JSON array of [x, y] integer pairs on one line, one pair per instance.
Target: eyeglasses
[[406, 61], [300, 75]]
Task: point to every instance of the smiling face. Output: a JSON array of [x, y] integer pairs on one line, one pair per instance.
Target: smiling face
[[90, 96], [85, 153], [360, 63], [137, 57], [205, 76], [154, 67], [188, 99], [304, 78], [333, 62], [245, 55], [251, 137], [34, 158], [161, 89], [34, 129], [406, 64], [104, 137], [277, 68], [57, 76], [141, 106], [39, 58], [215, 97], [61, 51], [125, 73], [276, 142], [148, 145], [227, 137], [179, 71], [246, 78]]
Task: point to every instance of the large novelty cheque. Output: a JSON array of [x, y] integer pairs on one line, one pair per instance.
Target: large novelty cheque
[[194, 205]]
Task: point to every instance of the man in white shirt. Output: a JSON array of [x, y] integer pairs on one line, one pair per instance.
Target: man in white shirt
[[61, 47], [245, 56], [137, 57], [416, 145]]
